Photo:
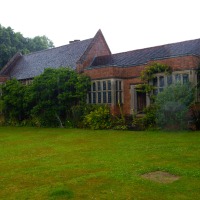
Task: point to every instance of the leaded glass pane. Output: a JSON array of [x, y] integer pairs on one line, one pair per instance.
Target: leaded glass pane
[[94, 97], [155, 82], [169, 80], [109, 97], [178, 78], [94, 86], [161, 81], [99, 85], [120, 85], [99, 97], [104, 85], [120, 97], [116, 85], [109, 85], [104, 97], [185, 78], [117, 97]]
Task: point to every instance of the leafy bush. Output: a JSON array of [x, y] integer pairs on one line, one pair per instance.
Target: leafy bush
[[146, 121], [12, 102], [100, 118], [195, 115], [173, 105], [48, 101], [119, 123], [150, 116], [79, 112]]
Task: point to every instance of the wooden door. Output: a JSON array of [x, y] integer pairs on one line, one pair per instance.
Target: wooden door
[[141, 101]]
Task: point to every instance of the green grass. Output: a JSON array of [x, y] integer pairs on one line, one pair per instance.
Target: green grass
[[38, 163]]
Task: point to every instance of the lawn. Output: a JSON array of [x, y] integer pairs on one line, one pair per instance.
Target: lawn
[[38, 163]]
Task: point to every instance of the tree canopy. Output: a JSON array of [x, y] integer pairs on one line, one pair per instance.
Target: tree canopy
[[11, 43]]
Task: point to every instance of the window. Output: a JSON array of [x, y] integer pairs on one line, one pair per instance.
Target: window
[[118, 97], [105, 91], [159, 84], [177, 78], [185, 78], [99, 85], [161, 81], [169, 80]]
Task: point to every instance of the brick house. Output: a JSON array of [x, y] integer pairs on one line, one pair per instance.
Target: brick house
[[114, 76]]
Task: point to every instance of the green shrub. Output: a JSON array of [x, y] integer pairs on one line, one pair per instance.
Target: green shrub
[[173, 105], [119, 123], [195, 115], [79, 112], [100, 118], [146, 121], [138, 123]]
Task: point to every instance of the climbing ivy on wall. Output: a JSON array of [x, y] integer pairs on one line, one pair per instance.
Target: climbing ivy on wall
[[148, 74]]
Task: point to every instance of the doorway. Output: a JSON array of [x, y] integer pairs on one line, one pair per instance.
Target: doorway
[[141, 101]]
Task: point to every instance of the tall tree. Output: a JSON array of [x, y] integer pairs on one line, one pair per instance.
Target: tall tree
[[11, 43]]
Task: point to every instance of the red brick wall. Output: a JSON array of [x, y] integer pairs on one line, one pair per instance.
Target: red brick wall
[[131, 75], [180, 63], [118, 72], [3, 79], [99, 48]]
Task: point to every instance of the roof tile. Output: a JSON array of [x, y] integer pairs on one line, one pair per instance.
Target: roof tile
[[143, 56], [33, 64]]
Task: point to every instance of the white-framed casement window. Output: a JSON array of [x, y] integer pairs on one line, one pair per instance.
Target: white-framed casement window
[[161, 80], [108, 91]]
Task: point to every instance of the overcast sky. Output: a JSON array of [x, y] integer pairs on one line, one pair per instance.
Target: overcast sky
[[126, 24]]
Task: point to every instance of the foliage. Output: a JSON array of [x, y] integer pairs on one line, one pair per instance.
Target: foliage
[[173, 105], [13, 101], [79, 112], [11, 43], [54, 93], [48, 101], [148, 120], [119, 123], [195, 115], [148, 74], [100, 118], [198, 79], [149, 71]]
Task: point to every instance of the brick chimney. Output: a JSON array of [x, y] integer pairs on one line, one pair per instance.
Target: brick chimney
[[70, 42]]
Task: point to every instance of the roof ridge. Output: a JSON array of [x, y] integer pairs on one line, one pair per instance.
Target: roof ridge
[[163, 45], [10, 62]]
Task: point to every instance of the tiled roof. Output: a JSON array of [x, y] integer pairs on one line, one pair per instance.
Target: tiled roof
[[143, 56], [33, 64]]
